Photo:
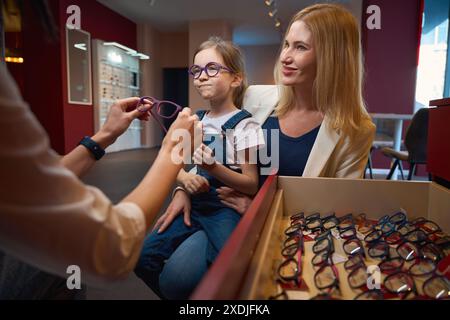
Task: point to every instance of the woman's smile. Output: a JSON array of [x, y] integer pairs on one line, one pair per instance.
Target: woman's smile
[[288, 71]]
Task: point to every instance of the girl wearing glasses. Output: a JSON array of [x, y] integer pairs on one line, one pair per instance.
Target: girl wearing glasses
[[230, 141], [324, 128]]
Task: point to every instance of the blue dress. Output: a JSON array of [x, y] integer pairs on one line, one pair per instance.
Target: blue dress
[[293, 151]]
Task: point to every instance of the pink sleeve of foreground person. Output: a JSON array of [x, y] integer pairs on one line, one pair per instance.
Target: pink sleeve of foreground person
[[48, 217]]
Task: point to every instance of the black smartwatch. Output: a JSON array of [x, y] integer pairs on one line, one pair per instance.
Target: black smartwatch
[[93, 147]]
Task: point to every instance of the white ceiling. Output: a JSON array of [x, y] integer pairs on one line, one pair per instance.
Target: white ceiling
[[249, 18]]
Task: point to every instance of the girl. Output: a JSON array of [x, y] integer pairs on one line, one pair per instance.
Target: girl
[[230, 140], [324, 128]]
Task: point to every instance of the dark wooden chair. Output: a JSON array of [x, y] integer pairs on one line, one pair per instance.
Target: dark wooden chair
[[415, 144]]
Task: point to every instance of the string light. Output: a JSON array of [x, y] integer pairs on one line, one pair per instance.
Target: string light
[[14, 59], [277, 23], [273, 13]]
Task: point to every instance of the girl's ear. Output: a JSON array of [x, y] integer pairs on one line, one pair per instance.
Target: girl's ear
[[237, 80]]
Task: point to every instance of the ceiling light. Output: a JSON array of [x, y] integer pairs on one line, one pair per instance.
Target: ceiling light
[[114, 57], [143, 56], [273, 13], [121, 46], [269, 2], [277, 23], [127, 50]]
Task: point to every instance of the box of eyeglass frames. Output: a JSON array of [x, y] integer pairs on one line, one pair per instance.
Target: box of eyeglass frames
[[320, 238]]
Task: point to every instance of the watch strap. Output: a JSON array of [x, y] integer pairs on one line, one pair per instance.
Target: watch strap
[[93, 147]]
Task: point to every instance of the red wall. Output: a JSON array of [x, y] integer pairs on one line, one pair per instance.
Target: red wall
[[14, 41], [102, 23], [391, 60], [43, 75]]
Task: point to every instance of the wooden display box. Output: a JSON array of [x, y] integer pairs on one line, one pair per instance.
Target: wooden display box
[[245, 269]]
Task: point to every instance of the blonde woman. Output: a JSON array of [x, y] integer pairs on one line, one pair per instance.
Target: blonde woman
[[319, 73], [324, 128]]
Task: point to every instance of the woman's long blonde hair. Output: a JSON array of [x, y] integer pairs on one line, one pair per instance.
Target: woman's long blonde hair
[[337, 89], [234, 60]]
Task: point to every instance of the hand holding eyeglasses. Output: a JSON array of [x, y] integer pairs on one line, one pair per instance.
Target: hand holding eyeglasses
[[119, 118], [158, 109], [167, 110]]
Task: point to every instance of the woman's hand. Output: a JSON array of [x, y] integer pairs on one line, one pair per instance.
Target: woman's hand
[[195, 183], [80, 160], [233, 199], [180, 202], [119, 119], [186, 126]]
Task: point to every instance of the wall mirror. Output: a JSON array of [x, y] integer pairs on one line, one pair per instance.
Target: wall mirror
[[79, 82]]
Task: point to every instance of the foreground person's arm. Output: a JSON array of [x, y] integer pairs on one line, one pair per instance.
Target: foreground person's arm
[[50, 219], [151, 192], [80, 159]]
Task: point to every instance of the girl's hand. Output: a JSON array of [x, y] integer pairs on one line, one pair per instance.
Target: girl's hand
[[233, 199], [203, 156], [195, 183]]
